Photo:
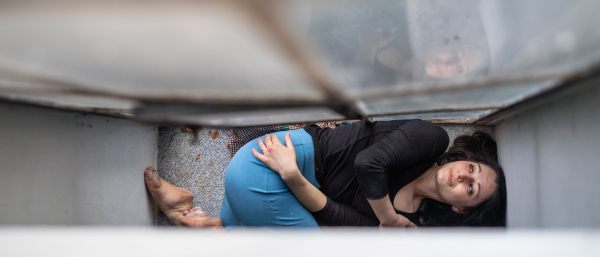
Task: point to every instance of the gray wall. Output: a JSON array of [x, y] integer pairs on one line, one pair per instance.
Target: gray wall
[[62, 168], [550, 154]]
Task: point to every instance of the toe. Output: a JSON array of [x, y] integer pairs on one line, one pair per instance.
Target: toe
[[150, 172], [151, 178]]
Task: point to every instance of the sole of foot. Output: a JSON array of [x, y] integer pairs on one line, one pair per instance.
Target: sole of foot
[[172, 200]]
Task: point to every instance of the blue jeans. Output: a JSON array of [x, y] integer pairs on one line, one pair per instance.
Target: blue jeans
[[257, 196]]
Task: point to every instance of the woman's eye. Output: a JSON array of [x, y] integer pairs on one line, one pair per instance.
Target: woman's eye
[[470, 189], [470, 168]]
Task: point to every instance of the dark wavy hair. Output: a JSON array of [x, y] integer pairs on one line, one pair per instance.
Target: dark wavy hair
[[480, 148]]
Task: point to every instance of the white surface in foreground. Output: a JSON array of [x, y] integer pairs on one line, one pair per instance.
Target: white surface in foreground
[[18, 241]]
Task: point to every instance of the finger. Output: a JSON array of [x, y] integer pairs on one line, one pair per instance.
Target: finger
[[288, 142], [261, 145], [268, 140], [412, 225], [196, 213], [196, 209], [275, 140], [218, 228], [258, 156], [214, 222]]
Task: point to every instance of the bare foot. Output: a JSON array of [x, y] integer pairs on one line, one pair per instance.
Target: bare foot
[[195, 217], [172, 200]]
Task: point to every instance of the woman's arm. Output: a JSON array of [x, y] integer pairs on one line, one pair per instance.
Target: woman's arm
[[385, 212], [282, 159], [412, 143], [370, 41], [339, 214]]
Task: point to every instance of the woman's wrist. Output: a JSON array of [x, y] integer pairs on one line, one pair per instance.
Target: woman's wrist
[[307, 194], [384, 210], [291, 177], [388, 219]]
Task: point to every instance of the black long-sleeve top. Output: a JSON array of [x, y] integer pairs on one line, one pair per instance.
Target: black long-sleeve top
[[369, 161]]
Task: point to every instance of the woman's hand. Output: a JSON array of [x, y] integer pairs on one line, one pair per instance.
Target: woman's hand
[[280, 158], [370, 41], [385, 212], [398, 221], [373, 39]]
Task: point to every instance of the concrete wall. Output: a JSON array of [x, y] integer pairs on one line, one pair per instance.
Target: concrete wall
[[551, 155], [62, 168]]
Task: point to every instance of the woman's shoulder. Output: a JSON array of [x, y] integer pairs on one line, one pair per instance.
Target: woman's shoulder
[[426, 133], [410, 124], [414, 128]]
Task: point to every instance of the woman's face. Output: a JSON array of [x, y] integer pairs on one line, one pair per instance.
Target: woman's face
[[465, 184], [446, 64]]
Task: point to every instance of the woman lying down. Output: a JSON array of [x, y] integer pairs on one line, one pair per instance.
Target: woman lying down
[[387, 174]]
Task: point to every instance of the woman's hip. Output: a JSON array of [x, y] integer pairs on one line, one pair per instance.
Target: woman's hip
[[245, 170], [257, 196]]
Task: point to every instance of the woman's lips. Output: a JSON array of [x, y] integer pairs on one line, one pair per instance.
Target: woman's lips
[[450, 178]]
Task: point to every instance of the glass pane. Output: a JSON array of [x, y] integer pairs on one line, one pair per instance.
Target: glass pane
[[395, 56], [406, 45], [449, 117], [250, 118], [457, 100], [165, 50]]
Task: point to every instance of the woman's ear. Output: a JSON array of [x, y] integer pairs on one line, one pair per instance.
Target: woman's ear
[[459, 210]]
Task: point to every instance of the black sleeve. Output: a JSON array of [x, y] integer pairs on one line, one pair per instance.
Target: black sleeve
[[338, 214], [411, 143]]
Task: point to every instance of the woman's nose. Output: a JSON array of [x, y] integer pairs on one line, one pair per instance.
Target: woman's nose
[[463, 177]]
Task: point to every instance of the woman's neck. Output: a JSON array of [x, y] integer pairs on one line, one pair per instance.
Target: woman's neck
[[426, 184], [422, 187]]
